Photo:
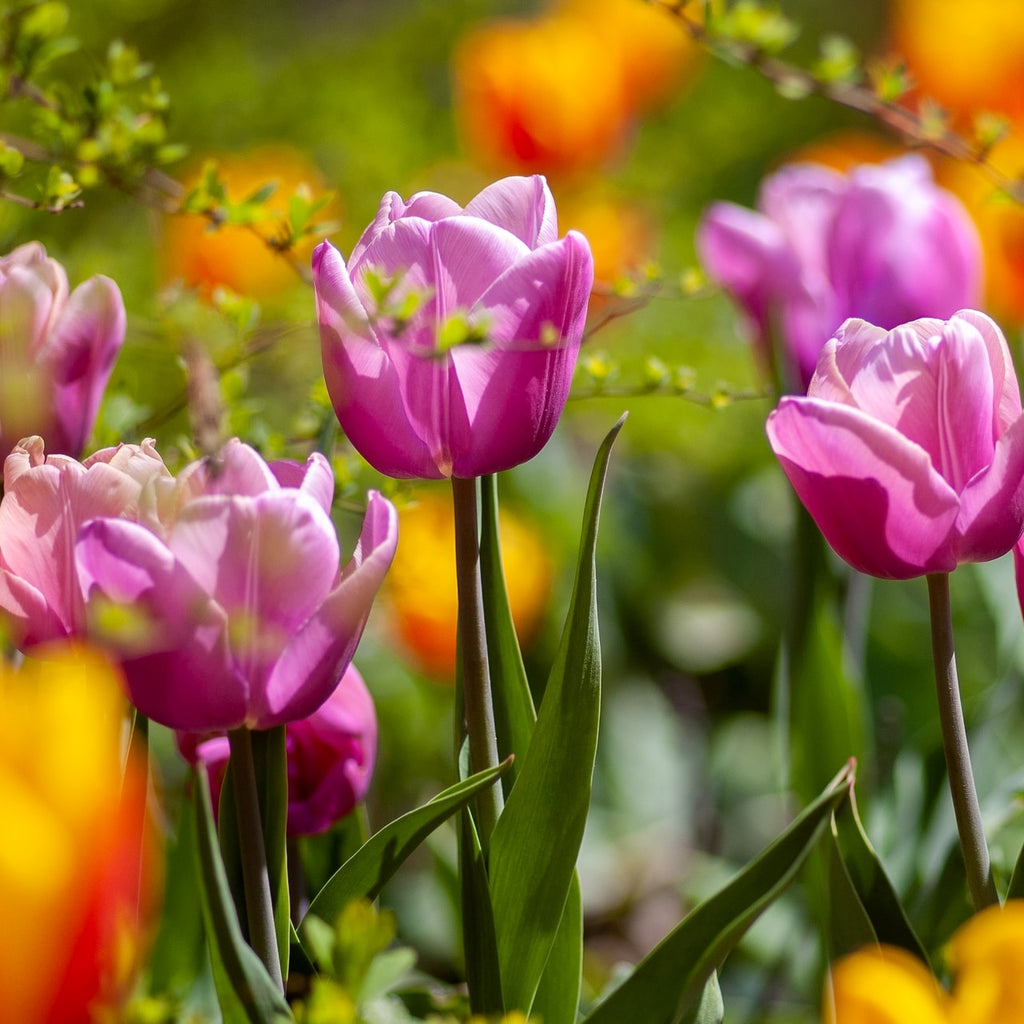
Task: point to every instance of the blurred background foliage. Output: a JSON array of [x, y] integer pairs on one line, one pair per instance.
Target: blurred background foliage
[[354, 98]]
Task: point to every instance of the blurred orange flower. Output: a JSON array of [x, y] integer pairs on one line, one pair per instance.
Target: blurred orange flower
[[421, 585], [237, 256], [71, 865], [622, 235], [1000, 223], [559, 94], [967, 56], [889, 986]]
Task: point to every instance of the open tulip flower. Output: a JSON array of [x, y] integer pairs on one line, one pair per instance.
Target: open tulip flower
[[908, 449], [884, 243], [57, 350], [46, 499], [229, 609], [450, 337]]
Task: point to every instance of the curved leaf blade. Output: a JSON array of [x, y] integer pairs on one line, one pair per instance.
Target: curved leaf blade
[[365, 873], [536, 840], [245, 990], [670, 980]]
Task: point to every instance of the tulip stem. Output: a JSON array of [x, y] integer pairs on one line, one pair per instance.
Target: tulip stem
[[476, 673], [954, 743], [255, 873]]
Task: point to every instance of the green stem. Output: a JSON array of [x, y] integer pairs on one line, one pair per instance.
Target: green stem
[[954, 743], [476, 674], [255, 874]]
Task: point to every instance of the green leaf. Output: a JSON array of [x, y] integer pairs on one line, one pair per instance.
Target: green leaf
[[1016, 887], [557, 998], [846, 924], [514, 714], [478, 938], [271, 759], [871, 884], [672, 978], [536, 840], [366, 871], [245, 990], [710, 1009], [558, 995]]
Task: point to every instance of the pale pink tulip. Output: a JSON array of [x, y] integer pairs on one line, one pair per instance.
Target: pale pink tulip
[[237, 609], [885, 244], [46, 499], [450, 337], [57, 350], [908, 450]]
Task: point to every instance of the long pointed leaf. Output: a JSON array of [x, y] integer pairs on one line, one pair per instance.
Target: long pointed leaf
[[514, 713], [557, 1000], [670, 980], [872, 884], [364, 874], [271, 759], [478, 939], [537, 838], [245, 989]]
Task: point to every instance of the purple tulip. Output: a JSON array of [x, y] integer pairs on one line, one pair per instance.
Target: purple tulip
[[230, 606], [885, 244], [46, 499], [330, 757], [58, 350], [908, 450], [450, 337]]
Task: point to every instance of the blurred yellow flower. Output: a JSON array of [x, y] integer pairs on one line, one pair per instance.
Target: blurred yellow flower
[[234, 256], [889, 986], [967, 56], [421, 585], [71, 861]]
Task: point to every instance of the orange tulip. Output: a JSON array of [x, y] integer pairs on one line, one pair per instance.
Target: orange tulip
[[237, 256], [422, 589], [71, 862], [967, 56]]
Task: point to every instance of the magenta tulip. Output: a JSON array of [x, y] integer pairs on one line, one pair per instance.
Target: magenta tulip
[[46, 499], [450, 337], [58, 350], [330, 757], [908, 450], [239, 613], [885, 244]]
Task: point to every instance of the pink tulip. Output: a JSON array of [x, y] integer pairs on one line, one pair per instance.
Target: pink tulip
[[46, 499], [450, 337], [230, 584], [885, 244], [908, 450], [330, 757], [58, 350]]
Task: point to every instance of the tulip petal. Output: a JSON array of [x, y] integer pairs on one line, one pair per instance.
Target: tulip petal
[[874, 495], [268, 562], [315, 658], [1008, 406], [992, 504], [468, 255], [28, 617], [315, 478], [523, 206], [80, 354], [802, 199], [175, 656], [429, 206]]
